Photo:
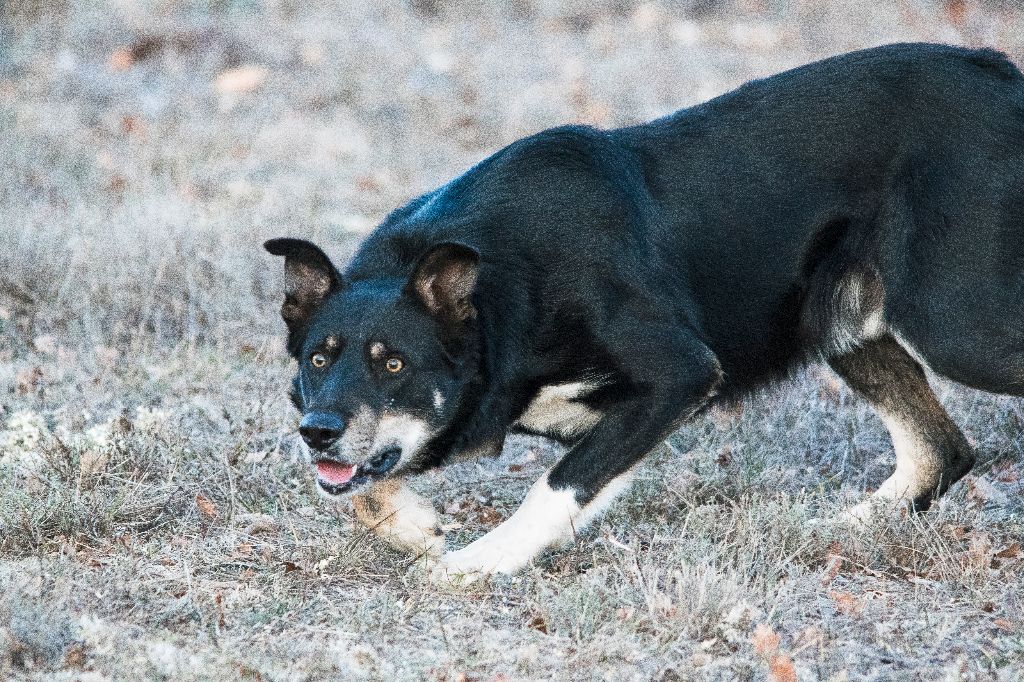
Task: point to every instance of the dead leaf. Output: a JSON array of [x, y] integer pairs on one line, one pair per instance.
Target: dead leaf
[[75, 656], [538, 623], [1009, 552], [132, 125], [240, 80], [207, 508], [979, 550], [116, 184], [834, 565], [846, 603], [781, 669], [488, 515], [765, 640], [121, 59], [956, 532], [956, 12]]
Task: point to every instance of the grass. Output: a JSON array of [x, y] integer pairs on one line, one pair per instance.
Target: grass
[[156, 521]]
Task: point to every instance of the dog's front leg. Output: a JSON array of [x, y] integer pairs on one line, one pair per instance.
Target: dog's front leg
[[597, 468], [400, 517]]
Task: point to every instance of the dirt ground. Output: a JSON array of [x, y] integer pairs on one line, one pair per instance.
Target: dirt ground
[[156, 521]]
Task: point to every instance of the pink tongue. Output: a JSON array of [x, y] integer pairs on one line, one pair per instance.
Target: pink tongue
[[333, 472]]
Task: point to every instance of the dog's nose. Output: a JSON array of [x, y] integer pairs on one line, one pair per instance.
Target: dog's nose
[[320, 429]]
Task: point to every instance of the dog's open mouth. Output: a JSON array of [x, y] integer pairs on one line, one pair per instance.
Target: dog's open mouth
[[334, 473], [338, 478]]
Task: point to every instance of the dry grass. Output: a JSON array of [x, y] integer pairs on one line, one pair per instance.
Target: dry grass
[[155, 521]]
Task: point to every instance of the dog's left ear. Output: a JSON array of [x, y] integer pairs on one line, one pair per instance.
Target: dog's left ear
[[443, 281]]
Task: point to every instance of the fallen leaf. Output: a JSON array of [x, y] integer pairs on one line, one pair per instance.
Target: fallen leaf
[[834, 565], [1009, 552], [846, 603], [956, 12], [488, 515], [207, 508], [121, 59], [765, 640], [781, 669]]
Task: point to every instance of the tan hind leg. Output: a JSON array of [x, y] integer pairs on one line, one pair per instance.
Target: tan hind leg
[[400, 517], [931, 452]]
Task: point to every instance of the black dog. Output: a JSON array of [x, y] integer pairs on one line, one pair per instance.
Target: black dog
[[602, 287]]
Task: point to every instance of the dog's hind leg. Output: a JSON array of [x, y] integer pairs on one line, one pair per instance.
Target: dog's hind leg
[[931, 452], [400, 517]]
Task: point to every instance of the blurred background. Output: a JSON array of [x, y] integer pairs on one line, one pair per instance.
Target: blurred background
[[147, 148]]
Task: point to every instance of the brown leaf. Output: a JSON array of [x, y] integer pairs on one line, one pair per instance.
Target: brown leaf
[[956, 532], [116, 184], [290, 566], [781, 669], [207, 508], [956, 11], [1004, 624], [132, 124], [488, 515], [121, 59], [538, 623], [846, 603], [1009, 552], [834, 565], [765, 640], [75, 656]]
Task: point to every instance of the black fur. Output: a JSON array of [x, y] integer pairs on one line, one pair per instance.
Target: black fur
[[709, 252]]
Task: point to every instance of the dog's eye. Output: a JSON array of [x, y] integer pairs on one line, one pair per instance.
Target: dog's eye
[[317, 360], [394, 365]]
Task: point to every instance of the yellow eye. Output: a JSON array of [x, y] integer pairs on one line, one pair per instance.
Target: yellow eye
[[394, 365], [318, 360]]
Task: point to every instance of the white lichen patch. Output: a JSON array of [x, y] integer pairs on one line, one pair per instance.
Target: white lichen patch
[[21, 440]]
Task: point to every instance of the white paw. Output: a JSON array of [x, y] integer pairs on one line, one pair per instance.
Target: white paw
[[475, 562], [420, 535], [859, 514]]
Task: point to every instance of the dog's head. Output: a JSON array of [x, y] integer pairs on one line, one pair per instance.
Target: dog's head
[[383, 363]]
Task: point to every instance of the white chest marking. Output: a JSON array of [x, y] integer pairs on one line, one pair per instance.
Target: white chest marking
[[555, 410]]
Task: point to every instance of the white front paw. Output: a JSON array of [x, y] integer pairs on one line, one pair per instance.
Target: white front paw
[[475, 562]]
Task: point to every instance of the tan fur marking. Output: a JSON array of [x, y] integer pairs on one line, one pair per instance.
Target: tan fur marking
[[400, 517]]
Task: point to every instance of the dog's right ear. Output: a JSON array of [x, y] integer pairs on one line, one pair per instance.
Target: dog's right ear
[[309, 278]]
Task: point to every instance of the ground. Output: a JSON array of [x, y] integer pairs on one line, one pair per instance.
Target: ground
[[156, 521]]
